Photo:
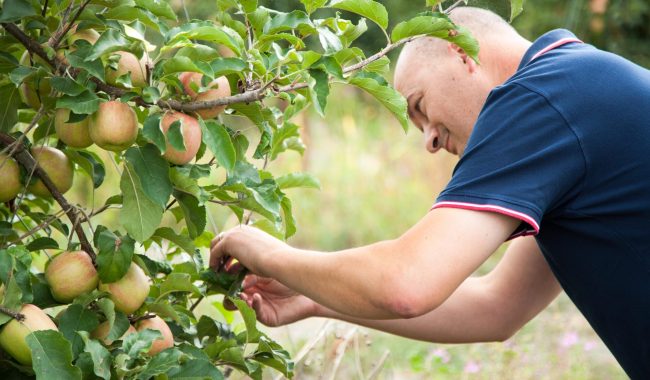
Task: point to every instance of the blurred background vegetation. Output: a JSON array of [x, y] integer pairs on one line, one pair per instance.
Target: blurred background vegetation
[[378, 181]]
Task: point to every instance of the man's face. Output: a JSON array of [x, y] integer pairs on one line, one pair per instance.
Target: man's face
[[443, 101]]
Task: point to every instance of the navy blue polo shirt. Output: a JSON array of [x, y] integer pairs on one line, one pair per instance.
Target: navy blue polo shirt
[[564, 146]]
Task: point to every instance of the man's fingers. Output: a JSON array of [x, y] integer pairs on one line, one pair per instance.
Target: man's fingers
[[249, 281], [216, 254]]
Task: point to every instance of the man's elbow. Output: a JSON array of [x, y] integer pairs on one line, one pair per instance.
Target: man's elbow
[[406, 304]]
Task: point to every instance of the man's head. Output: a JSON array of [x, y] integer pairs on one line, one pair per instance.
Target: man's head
[[445, 88]]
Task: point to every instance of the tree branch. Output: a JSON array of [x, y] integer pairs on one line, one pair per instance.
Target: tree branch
[[56, 38], [14, 314], [23, 156]]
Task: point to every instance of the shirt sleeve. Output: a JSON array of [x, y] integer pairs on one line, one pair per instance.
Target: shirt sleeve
[[522, 160]]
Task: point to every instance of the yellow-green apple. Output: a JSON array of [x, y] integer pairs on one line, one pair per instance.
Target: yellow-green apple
[[158, 324], [114, 126], [101, 332], [12, 337], [129, 63], [191, 137], [57, 166], [76, 134], [218, 88], [89, 35], [71, 274], [10, 178], [129, 292], [36, 89]]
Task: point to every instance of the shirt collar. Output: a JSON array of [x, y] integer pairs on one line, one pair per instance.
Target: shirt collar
[[542, 42]]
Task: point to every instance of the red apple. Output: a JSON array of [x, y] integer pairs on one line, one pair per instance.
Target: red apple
[[71, 274], [218, 88], [191, 137], [129, 292], [129, 63], [12, 337], [114, 126], [158, 324]]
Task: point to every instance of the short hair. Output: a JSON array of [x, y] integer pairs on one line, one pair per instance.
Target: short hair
[[482, 23]]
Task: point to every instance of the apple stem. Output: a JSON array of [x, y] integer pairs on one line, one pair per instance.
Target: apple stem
[[141, 318], [14, 314]]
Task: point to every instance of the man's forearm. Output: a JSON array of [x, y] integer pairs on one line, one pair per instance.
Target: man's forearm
[[467, 316]]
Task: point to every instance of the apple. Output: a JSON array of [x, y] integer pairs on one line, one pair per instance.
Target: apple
[[191, 137], [129, 292], [114, 126], [57, 166], [158, 324], [217, 89], [33, 93], [76, 134], [12, 337], [71, 274], [101, 332], [10, 178], [129, 63], [89, 35]]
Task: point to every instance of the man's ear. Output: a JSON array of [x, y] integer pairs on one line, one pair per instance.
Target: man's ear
[[462, 55]]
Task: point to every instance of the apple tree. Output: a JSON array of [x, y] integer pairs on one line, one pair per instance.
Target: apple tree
[[88, 85]]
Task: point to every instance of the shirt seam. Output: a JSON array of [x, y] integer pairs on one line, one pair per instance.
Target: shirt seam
[[489, 197], [540, 93]]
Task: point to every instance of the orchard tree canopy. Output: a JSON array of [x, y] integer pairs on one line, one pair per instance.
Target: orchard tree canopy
[[126, 85]]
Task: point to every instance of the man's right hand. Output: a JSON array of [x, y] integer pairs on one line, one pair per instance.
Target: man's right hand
[[274, 303]]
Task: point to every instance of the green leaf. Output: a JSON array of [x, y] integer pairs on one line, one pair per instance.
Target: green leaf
[[248, 314], [77, 59], [117, 321], [100, 356], [330, 42], [225, 66], [175, 136], [165, 310], [256, 113], [195, 369], [249, 6], [114, 256], [129, 13], [287, 216], [182, 64], [437, 26], [15, 10], [9, 104], [195, 214], [161, 363], [204, 31], [516, 6], [182, 241], [140, 215], [389, 97], [312, 5], [380, 66], [463, 38], [298, 180], [319, 87], [287, 21], [281, 137], [137, 343], [90, 163], [68, 86], [217, 139], [51, 356], [183, 182], [151, 130], [153, 171], [178, 282], [153, 266], [110, 41], [158, 7], [367, 8], [14, 267], [77, 318], [42, 243], [84, 104]]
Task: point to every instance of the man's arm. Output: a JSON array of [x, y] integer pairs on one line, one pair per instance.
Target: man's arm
[[401, 278], [487, 308]]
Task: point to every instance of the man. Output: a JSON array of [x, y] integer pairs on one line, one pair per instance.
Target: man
[[554, 141]]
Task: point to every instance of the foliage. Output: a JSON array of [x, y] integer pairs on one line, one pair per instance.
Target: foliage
[[276, 63]]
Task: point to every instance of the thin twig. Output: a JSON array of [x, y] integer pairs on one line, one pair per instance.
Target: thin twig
[[378, 367], [196, 303], [454, 5], [55, 40], [14, 314], [340, 351], [141, 318]]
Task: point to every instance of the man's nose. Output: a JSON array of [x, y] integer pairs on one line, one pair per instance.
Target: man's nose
[[432, 140]]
